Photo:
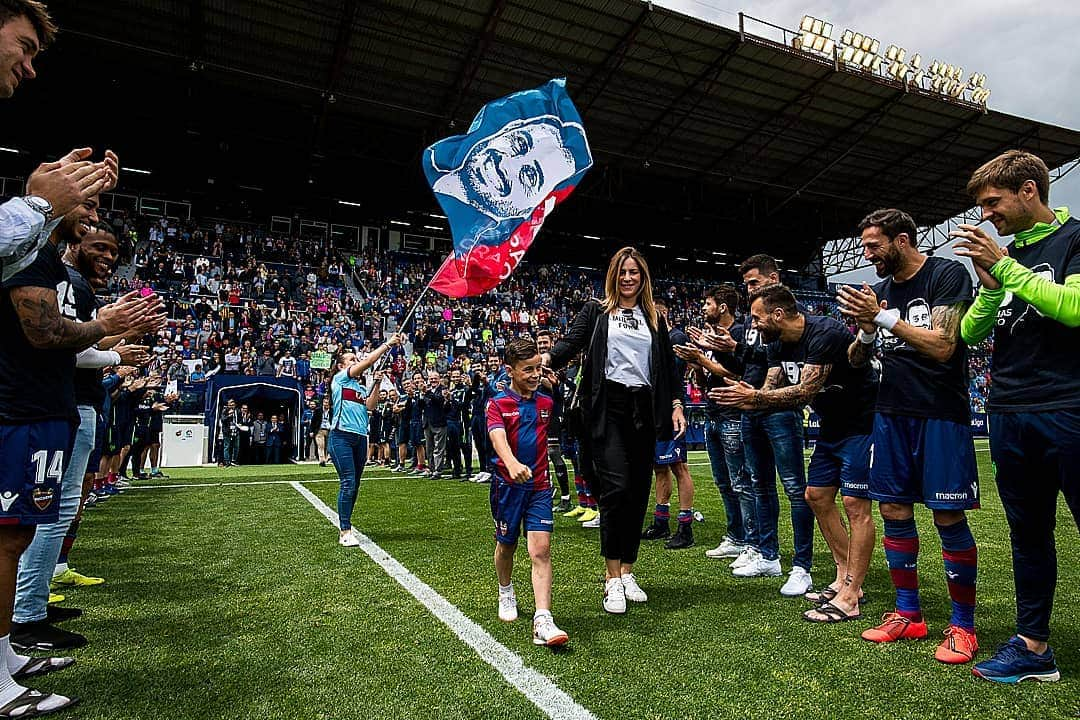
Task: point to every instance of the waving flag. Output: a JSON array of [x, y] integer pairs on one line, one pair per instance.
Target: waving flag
[[522, 156]]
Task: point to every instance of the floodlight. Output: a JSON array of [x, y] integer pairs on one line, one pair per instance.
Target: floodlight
[[870, 60], [859, 55], [819, 43], [867, 42], [830, 46], [936, 83], [901, 55], [935, 67], [918, 76], [890, 52], [874, 46], [916, 61], [827, 30], [857, 41], [848, 54], [847, 38], [807, 24], [819, 25]]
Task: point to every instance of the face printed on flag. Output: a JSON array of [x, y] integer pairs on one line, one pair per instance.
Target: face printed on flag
[[523, 154]]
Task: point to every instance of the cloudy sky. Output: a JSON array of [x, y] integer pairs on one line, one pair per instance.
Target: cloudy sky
[[1026, 50]]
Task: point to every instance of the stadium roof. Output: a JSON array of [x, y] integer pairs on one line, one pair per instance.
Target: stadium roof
[[704, 137]]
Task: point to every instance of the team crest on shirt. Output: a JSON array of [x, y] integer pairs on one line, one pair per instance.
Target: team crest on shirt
[[7, 499], [43, 497], [1014, 311], [545, 414]]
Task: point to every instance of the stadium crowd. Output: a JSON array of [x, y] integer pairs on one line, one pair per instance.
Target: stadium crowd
[[85, 384]]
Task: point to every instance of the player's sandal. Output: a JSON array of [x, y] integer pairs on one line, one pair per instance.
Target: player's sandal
[[827, 594], [832, 614], [37, 666], [28, 704]]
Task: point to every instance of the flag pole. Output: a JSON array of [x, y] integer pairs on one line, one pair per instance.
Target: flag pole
[[404, 323]]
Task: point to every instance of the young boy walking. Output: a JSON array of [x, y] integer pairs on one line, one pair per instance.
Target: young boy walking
[[517, 423]]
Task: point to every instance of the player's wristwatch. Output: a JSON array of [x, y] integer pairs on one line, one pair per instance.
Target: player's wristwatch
[[40, 205]]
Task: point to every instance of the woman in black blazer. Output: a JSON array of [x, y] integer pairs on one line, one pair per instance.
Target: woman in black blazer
[[629, 401]]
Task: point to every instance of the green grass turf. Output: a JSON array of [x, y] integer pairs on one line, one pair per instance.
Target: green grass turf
[[236, 602]]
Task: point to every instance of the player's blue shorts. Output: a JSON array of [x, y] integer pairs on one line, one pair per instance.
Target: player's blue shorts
[[923, 460], [416, 435], [670, 452], [33, 457], [844, 464], [516, 505]]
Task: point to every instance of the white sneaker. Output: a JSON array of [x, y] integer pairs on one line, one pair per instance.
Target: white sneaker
[[727, 549], [348, 539], [747, 556], [545, 632], [507, 607], [632, 590], [798, 582], [759, 567], [614, 597], [594, 523]]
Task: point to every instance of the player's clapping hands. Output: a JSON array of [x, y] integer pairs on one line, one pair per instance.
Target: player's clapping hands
[[718, 339], [133, 314], [736, 394], [861, 304], [983, 251]]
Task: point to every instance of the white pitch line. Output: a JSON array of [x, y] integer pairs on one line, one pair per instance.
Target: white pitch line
[[539, 689]]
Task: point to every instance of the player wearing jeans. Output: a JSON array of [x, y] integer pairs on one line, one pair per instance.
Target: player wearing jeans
[[1030, 299], [517, 420], [923, 449]]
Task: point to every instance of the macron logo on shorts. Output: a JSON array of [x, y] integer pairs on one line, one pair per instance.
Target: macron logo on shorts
[[7, 499]]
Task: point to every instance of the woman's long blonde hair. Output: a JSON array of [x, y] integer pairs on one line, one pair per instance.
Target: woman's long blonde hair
[[611, 286]]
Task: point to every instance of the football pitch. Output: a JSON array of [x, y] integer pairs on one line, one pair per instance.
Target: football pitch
[[227, 596]]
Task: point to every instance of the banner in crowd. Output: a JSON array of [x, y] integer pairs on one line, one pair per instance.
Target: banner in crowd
[[522, 155], [320, 360]]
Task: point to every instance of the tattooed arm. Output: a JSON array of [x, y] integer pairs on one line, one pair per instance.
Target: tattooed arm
[[45, 328], [745, 397], [938, 343], [859, 353]]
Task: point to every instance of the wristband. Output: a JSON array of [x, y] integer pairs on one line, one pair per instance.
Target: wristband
[[887, 319], [867, 338]]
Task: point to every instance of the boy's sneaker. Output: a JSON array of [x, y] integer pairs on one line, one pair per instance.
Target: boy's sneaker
[[893, 627], [958, 647], [632, 590], [747, 556], [727, 549], [614, 597], [759, 567], [1013, 663], [798, 582], [508, 608], [121, 484], [545, 632], [594, 523], [91, 500], [575, 512]]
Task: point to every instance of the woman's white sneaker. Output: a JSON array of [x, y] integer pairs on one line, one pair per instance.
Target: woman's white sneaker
[[632, 590], [348, 539], [759, 567], [614, 596], [798, 582]]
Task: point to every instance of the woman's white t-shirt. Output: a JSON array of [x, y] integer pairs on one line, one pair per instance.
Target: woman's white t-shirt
[[629, 358]]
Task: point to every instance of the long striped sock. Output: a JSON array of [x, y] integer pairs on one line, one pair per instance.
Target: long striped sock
[[961, 568], [69, 540], [901, 544], [662, 513], [686, 517], [582, 493]]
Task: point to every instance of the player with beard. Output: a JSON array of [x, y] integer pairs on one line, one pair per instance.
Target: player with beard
[[723, 336], [90, 256], [808, 365], [923, 448], [1030, 300], [37, 419]]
